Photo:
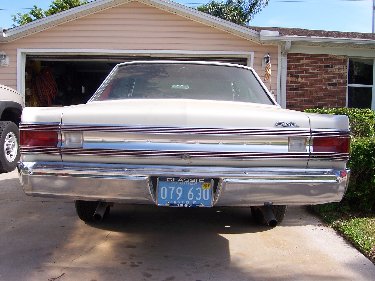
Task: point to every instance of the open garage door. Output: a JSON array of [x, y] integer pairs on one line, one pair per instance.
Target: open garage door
[[58, 80]]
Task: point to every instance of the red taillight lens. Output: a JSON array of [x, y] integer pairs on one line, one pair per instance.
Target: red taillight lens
[[38, 138], [331, 144]]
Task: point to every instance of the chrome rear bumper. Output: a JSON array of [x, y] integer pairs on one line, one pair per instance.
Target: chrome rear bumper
[[134, 183]]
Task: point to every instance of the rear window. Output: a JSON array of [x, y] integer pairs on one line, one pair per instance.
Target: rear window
[[182, 81]]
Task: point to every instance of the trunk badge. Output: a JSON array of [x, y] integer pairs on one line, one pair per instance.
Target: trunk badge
[[185, 156], [286, 124]]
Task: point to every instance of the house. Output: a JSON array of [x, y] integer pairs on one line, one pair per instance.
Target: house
[[324, 68], [61, 59]]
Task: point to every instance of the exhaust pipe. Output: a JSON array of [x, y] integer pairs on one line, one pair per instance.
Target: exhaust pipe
[[100, 211], [268, 215]]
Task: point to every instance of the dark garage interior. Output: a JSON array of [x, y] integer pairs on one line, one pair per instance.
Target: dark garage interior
[[67, 80]]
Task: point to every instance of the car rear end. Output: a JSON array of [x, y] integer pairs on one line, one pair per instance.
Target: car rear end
[[134, 143], [244, 166]]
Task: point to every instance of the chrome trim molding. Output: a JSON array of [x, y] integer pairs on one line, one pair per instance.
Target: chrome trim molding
[[145, 135], [40, 150], [190, 154], [189, 131], [329, 133], [185, 155], [181, 154], [304, 132], [131, 183], [53, 126]]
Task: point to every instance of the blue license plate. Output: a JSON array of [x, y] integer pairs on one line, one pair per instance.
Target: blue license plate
[[184, 192]]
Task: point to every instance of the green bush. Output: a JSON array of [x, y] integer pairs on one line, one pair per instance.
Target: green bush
[[362, 121], [361, 190]]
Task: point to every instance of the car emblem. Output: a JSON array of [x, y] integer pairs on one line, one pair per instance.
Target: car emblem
[[286, 124], [185, 156]]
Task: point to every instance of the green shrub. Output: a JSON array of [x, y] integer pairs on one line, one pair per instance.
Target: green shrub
[[362, 121], [361, 190]]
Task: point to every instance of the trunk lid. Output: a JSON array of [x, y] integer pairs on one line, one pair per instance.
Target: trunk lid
[[185, 132], [182, 113]]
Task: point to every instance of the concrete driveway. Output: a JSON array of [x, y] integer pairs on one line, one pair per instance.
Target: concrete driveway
[[43, 239]]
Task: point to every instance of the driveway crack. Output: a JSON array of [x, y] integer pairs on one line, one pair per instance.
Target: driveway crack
[[92, 248]]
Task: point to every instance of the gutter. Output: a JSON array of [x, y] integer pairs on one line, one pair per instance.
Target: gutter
[[269, 36]]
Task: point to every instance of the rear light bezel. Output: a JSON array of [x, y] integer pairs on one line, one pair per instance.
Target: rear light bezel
[[298, 144], [333, 144], [72, 139], [39, 138]]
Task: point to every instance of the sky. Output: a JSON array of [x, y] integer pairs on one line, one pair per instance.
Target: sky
[[334, 15]]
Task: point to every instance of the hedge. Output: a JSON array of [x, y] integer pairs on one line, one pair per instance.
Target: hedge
[[361, 190], [362, 121]]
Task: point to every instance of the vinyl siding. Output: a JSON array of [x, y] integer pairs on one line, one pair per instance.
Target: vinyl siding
[[135, 26]]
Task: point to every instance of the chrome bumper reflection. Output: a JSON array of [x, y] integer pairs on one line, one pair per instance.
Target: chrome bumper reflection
[[133, 184]]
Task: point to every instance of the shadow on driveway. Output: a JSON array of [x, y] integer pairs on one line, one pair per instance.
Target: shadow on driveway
[[43, 239]]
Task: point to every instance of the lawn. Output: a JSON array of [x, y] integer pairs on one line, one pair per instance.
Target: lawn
[[357, 227]]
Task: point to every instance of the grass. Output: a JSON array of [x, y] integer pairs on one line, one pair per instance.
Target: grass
[[357, 227]]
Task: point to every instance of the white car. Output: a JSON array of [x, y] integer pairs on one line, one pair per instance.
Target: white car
[[184, 134]]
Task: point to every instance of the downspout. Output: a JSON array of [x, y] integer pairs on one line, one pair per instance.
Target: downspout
[[278, 92], [283, 71], [284, 47]]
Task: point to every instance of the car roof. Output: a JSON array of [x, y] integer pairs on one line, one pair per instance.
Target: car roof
[[216, 63]]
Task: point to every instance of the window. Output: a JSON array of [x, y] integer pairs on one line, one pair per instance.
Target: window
[[182, 80], [361, 88]]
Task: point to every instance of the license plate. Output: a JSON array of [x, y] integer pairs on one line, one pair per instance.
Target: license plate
[[184, 192]]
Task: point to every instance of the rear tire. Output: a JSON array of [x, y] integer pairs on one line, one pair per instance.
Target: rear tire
[[9, 146], [257, 215], [279, 211], [86, 210]]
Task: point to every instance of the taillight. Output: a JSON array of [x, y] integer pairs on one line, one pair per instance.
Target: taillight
[[38, 138], [331, 144]]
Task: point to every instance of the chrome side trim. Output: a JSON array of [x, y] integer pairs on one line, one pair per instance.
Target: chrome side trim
[[40, 150], [329, 133], [306, 132], [189, 130], [182, 154], [121, 170], [131, 183], [146, 135], [190, 154], [157, 130], [53, 126]]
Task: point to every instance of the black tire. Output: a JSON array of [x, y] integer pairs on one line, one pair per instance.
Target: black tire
[[278, 211], [86, 209], [257, 215], [9, 146]]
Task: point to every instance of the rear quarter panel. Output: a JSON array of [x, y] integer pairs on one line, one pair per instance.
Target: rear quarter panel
[[40, 118]]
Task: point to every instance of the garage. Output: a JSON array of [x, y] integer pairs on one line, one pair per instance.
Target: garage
[[62, 59], [59, 80]]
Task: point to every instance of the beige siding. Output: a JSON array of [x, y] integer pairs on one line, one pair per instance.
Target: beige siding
[[135, 26]]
